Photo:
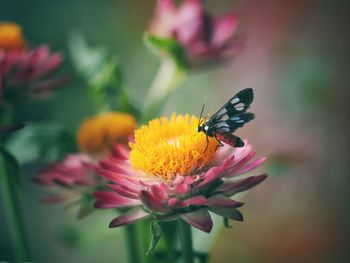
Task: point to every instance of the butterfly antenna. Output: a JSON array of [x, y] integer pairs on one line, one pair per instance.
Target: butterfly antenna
[[200, 115]]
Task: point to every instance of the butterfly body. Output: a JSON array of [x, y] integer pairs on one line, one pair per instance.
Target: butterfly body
[[228, 118]]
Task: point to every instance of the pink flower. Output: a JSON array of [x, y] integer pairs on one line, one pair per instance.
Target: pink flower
[[188, 197], [71, 181], [204, 38], [32, 68], [75, 169]]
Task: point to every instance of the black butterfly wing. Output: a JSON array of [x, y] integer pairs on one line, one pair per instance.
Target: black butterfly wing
[[233, 123], [238, 104], [233, 114]]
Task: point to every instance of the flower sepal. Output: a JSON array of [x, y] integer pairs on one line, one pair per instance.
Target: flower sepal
[[166, 48], [156, 232]]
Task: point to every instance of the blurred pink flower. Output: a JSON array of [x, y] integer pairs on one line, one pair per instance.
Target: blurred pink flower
[[75, 169], [71, 181], [32, 68], [188, 197], [204, 38]]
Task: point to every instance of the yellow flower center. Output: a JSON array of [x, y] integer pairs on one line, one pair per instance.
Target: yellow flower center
[[98, 134], [11, 36], [167, 147]]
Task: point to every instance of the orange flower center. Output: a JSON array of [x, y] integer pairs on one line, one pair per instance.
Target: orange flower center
[[98, 134], [11, 36], [168, 147]]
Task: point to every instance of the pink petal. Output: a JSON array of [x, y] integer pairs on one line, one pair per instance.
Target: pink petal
[[124, 192], [212, 174], [251, 166], [116, 165], [189, 180], [181, 188], [232, 47], [165, 7], [120, 179], [223, 153], [108, 199], [75, 169], [120, 151], [221, 201], [224, 27], [129, 217], [164, 187], [242, 152], [152, 202], [158, 192], [178, 180], [189, 22], [245, 158], [231, 188], [175, 202], [231, 213], [165, 19], [196, 200], [48, 65], [237, 164], [199, 219]]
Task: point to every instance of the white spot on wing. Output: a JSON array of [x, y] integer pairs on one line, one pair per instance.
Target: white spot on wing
[[239, 106], [235, 100], [223, 111], [223, 125], [224, 129]]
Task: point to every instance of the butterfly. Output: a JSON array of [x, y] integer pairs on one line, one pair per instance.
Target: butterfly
[[228, 118]]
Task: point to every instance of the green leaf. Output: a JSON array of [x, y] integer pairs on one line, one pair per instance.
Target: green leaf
[[11, 166], [102, 74], [168, 47], [9, 196], [45, 142], [87, 60], [156, 232]]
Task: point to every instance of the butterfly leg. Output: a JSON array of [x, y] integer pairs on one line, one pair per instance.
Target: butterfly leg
[[206, 147], [221, 144]]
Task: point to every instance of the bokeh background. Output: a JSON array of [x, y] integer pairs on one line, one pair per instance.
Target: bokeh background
[[297, 60]]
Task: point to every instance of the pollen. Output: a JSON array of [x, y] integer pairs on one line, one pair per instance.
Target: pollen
[[11, 36], [169, 147], [98, 134]]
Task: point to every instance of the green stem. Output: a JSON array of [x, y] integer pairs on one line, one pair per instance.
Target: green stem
[[134, 251], [168, 78], [124, 103], [143, 228], [13, 214], [186, 241]]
